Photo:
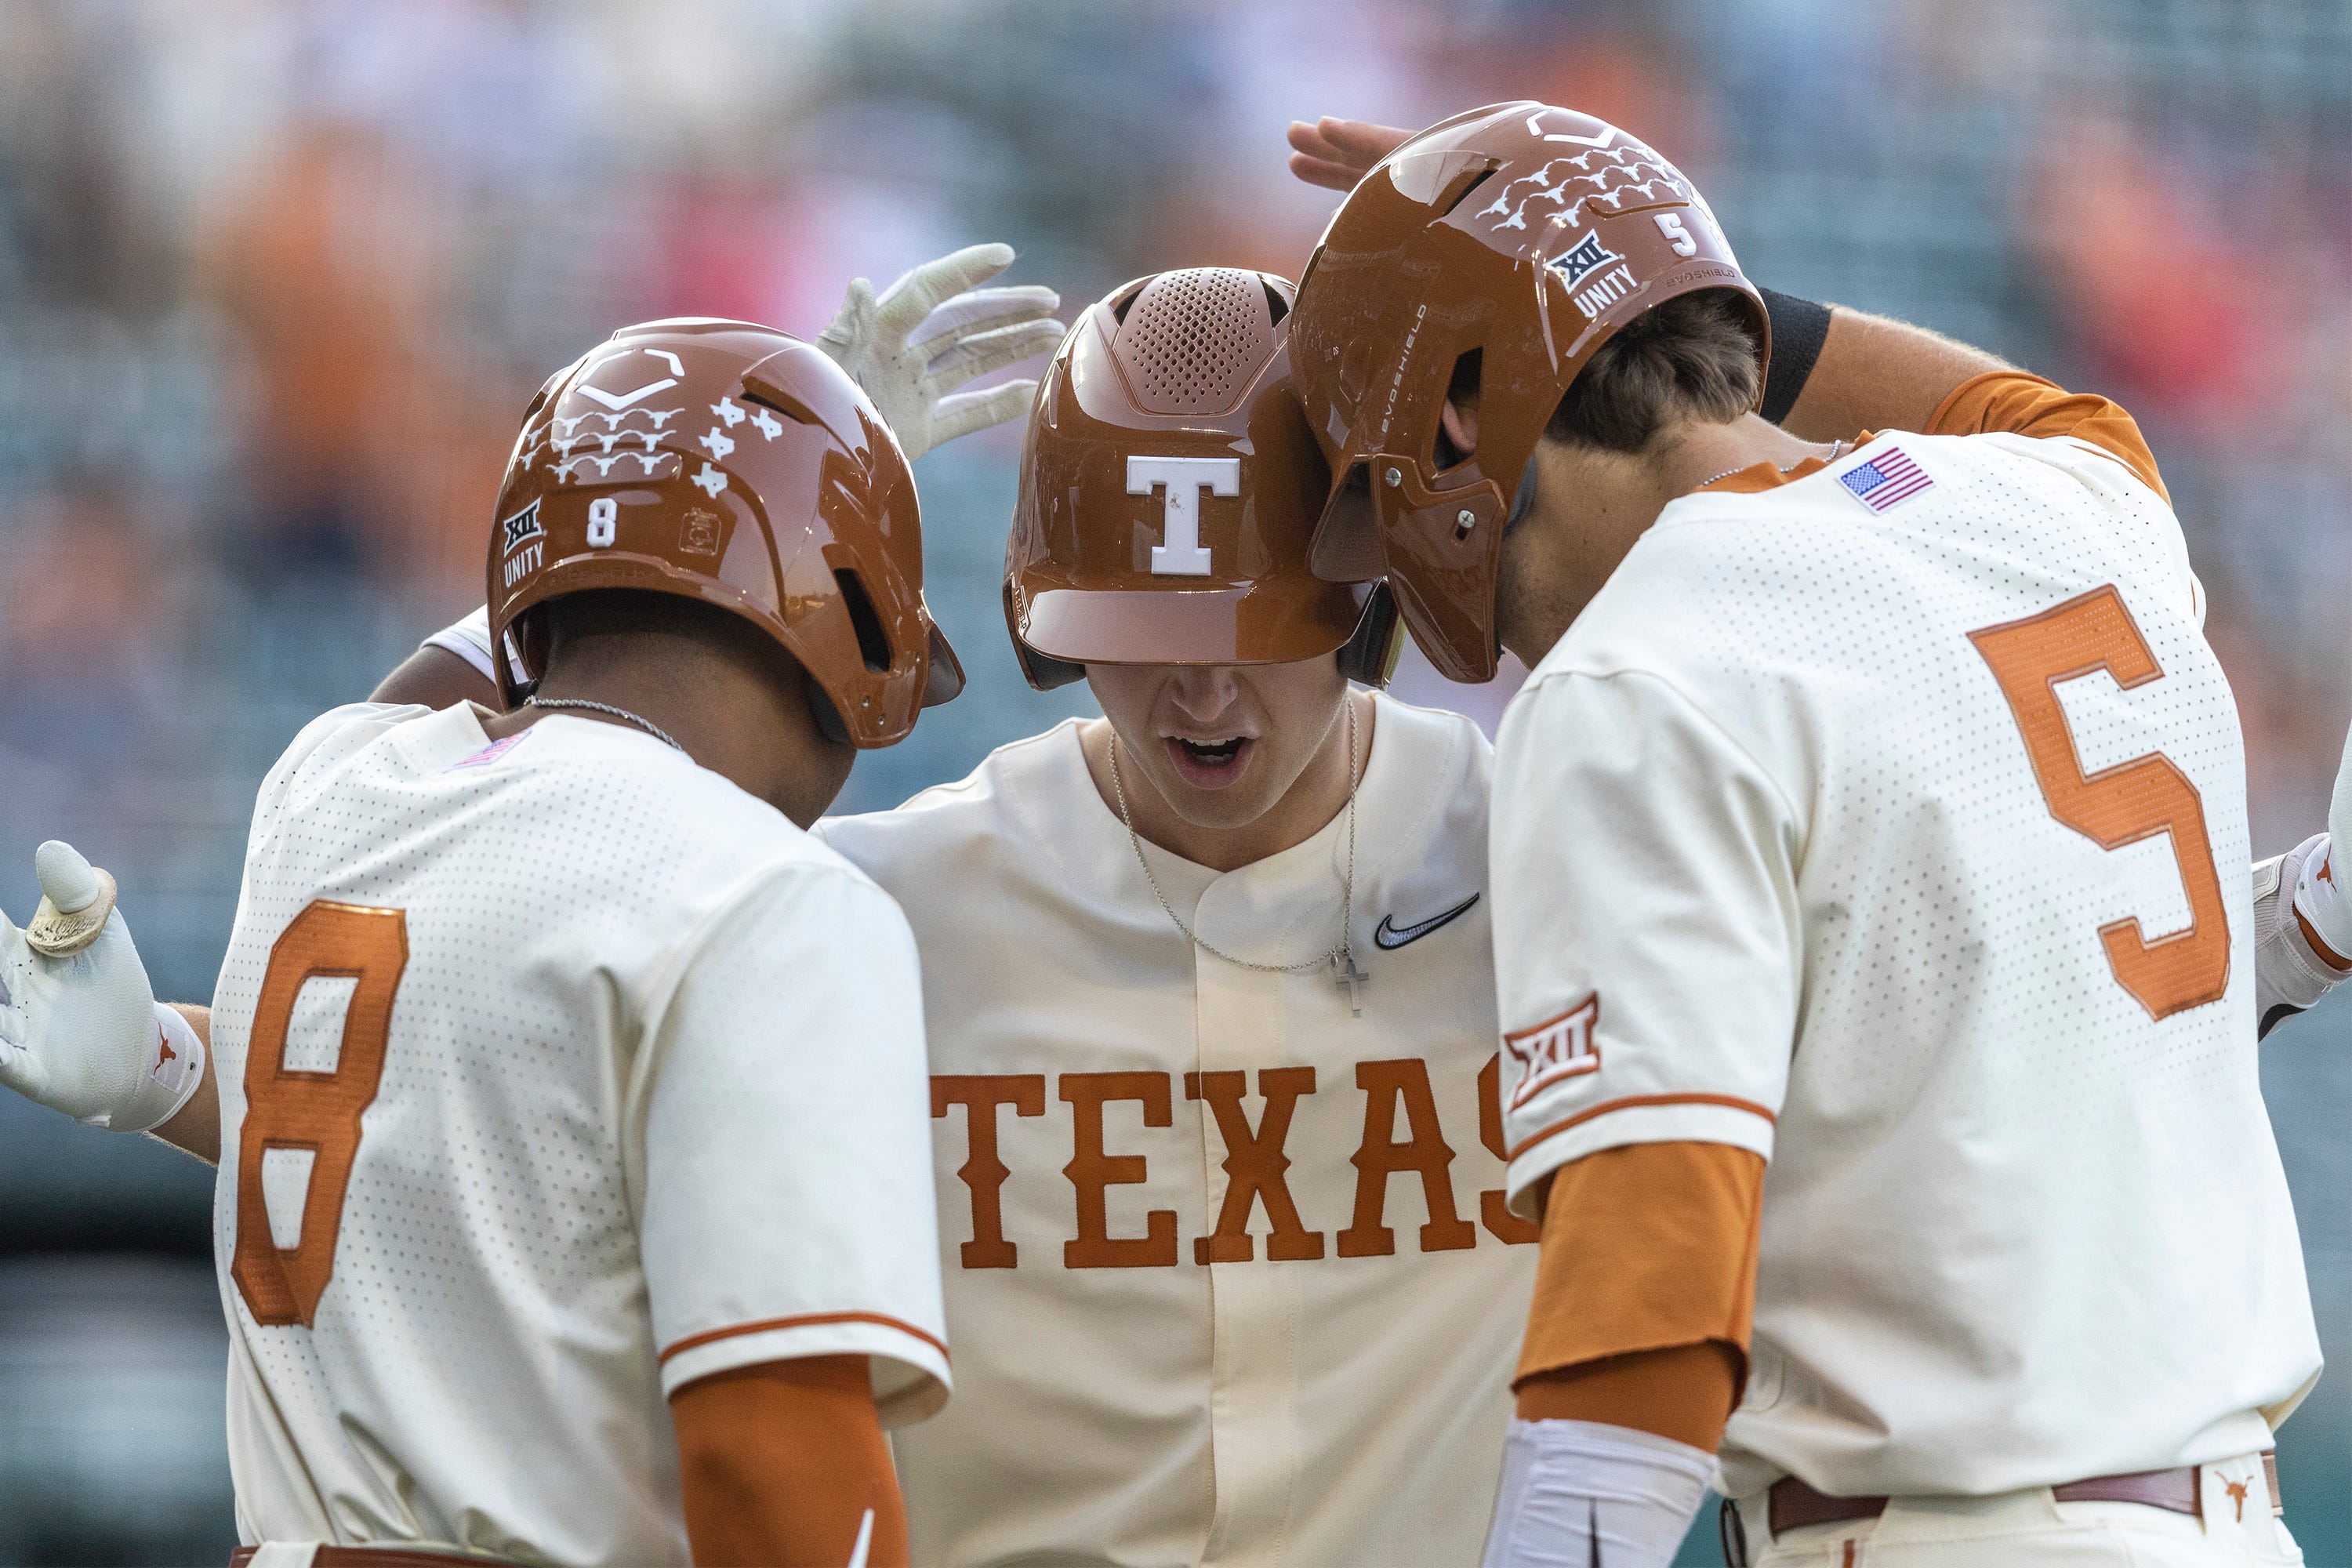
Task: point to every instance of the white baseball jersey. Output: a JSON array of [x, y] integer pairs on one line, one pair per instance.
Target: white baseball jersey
[[554, 1074], [1229, 1269], [1891, 824]]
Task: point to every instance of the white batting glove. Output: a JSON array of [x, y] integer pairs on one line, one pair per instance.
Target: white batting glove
[[1578, 1492], [2320, 894], [933, 330], [80, 1029]]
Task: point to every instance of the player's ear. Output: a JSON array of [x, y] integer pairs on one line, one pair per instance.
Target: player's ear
[[1460, 423]]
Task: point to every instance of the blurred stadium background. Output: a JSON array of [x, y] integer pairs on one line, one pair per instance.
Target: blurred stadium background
[[276, 278]]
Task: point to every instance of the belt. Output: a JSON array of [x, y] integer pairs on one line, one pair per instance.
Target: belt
[[367, 1557], [1792, 1505]]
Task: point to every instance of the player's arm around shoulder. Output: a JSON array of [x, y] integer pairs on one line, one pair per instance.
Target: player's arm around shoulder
[[1873, 373], [779, 1134], [2009, 402]]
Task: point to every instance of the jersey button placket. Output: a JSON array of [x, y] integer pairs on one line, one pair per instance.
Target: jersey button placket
[[1242, 1023]]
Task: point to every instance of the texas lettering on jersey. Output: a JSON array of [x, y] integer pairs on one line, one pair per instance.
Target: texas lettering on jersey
[[1401, 1138]]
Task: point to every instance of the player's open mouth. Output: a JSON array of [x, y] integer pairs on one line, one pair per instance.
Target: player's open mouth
[[1210, 764]]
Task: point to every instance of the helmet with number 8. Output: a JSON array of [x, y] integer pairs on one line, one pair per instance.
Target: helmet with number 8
[[734, 465], [1522, 235], [1168, 494]]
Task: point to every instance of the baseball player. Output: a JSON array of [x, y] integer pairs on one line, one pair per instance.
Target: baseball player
[[1872, 810], [2302, 927], [562, 1076], [1208, 987]]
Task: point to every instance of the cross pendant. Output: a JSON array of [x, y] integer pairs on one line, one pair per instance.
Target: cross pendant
[[1346, 974]]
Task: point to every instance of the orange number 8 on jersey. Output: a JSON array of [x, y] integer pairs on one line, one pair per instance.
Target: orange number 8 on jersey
[[318, 1111], [2121, 805]]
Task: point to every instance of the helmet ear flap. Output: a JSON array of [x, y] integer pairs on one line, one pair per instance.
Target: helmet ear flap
[[1043, 671], [828, 716], [1368, 656]]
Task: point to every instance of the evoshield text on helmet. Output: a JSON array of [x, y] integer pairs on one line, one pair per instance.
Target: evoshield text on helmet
[[735, 465], [1520, 233]]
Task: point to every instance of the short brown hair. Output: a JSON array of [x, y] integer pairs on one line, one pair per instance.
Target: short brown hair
[[1693, 356]]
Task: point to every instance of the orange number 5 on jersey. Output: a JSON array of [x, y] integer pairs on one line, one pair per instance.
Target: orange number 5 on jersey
[[317, 1111], [2121, 805]]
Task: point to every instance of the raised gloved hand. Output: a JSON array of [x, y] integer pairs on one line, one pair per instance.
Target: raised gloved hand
[[80, 1029], [2320, 893], [933, 330]]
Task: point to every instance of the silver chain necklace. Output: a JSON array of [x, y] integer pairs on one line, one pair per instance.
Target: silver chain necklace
[[647, 725], [1726, 473], [1339, 955]]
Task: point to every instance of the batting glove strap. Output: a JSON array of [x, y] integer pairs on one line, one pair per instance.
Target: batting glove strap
[[1578, 1492]]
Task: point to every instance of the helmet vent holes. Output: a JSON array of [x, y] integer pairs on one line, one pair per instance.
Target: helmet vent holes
[[1126, 301], [1191, 339], [873, 642]]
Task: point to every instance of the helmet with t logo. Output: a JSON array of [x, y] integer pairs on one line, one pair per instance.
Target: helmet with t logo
[[1169, 492]]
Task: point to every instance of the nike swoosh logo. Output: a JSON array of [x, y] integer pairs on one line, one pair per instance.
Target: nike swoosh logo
[[1395, 936]]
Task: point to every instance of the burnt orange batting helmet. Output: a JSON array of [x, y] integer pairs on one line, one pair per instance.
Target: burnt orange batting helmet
[[732, 464], [1523, 234], [1169, 491]]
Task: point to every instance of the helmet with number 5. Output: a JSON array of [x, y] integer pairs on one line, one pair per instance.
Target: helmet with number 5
[[732, 464], [1518, 238], [1168, 494]]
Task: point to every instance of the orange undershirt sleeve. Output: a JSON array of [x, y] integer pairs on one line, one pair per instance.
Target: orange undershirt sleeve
[[2014, 402], [779, 1463], [1646, 1291], [1686, 1392]]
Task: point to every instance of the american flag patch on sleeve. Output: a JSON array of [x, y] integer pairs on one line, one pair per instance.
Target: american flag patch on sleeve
[[1885, 481]]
